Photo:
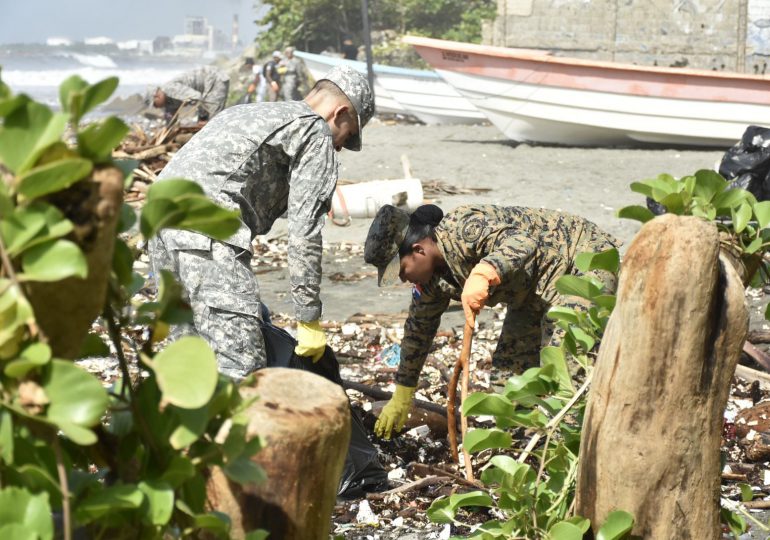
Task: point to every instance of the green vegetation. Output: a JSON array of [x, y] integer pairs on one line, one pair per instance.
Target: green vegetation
[[534, 491], [130, 460], [531, 487], [314, 25]]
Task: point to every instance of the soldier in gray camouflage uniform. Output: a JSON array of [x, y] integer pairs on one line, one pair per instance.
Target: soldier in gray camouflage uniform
[[479, 255], [292, 71], [206, 88], [263, 159]]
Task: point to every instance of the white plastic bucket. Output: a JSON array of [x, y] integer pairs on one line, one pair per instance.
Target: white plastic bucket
[[365, 198]]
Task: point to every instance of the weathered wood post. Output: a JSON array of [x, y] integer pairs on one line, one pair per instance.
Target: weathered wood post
[[305, 423], [651, 435]]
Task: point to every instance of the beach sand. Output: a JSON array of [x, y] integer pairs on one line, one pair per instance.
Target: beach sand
[[590, 182]]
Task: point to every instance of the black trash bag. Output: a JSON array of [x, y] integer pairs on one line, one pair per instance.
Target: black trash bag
[[655, 207], [362, 472], [747, 164]]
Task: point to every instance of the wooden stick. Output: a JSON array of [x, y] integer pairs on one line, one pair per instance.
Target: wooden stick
[[423, 469], [752, 375], [451, 413], [417, 484], [465, 357], [151, 152], [405, 166], [760, 357], [463, 363], [378, 393], [756, 504], [758, 336], [556, 419]]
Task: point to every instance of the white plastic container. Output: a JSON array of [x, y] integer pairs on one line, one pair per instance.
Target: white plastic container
[[365, 198]]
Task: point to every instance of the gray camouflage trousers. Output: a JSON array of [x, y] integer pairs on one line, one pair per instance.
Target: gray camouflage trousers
[[224, 296]]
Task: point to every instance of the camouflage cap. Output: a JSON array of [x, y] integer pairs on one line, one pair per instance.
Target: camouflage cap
[[386, 234], [356, 88]]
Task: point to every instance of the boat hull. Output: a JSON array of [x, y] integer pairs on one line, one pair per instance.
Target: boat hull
[[546, 99], [319, 65], [430, 99], [423, 94]]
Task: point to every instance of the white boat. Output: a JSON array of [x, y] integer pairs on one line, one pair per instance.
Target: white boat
[[423, 94], [532, 96], [320, 64]]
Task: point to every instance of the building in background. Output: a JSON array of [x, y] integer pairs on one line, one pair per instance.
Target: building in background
[[142, 46], [722, 35], [199, 37], [58, 42]]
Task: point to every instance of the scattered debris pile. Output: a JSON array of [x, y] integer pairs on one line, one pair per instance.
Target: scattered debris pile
[[153, 151], [419, 459]]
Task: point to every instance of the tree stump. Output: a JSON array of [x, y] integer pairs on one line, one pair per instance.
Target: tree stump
[[304, 421], [651, 435]]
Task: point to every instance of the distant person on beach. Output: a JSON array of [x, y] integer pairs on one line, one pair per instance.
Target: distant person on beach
[[292, 71], [204, 88], [349, 51], [270, 84], [248, 81], [265, 160], [479, 255]]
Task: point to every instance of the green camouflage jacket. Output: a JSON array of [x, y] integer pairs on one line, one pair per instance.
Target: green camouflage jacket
[[530, 248]]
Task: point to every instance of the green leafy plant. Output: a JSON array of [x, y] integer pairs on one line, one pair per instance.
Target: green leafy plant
[[317, 24], [130, 460], [533, 492], [742, 220]]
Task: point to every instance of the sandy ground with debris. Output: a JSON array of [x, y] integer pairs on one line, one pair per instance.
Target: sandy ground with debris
[[591, 182]]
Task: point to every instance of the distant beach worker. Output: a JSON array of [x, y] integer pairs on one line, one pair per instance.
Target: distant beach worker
[[248, 80], [205, 88], [293, 71], [270, 82], [264, 160], [480, 255], [349, 51]]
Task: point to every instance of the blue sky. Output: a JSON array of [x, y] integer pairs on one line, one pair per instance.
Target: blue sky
[[32, 21]]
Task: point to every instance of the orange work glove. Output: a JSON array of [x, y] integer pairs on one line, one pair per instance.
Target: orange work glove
[[476, 290]]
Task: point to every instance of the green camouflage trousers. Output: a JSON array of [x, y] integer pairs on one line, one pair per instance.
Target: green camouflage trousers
[[528, 329]]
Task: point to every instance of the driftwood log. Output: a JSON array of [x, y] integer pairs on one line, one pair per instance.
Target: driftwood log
[[304, 421], [650, 442]]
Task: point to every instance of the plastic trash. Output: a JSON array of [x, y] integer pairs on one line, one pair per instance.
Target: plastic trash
[[363, 199], [745, 165], [362, 472], [391, 355]]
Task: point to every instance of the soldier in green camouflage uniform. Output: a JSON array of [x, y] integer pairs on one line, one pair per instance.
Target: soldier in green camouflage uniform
[[263, 159], [525, 250]]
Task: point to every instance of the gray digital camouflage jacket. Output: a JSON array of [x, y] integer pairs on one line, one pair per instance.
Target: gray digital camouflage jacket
[[207, 86], [266, 159]]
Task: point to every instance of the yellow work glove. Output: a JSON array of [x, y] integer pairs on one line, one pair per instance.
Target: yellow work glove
[[311, 340], [394, 414], [476, 290]]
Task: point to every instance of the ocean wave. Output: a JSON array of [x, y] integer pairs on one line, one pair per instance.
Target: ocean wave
[[92, 60], [54, 77]]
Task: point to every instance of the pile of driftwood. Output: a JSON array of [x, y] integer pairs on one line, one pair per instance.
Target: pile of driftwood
[[152, 150]]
